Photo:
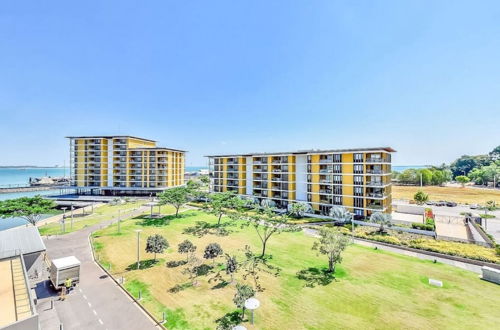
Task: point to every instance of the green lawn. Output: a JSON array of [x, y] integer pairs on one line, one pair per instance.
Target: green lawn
[[374, 289], [102, 213]]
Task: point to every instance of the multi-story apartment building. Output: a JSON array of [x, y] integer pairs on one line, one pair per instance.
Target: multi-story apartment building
[[120, 165], [358, 179]]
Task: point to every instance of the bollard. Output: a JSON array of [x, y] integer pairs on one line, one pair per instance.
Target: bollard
[[164, 320], [51, 304], [61, 327], [139, 295]]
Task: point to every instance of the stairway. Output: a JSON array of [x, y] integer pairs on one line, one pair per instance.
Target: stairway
[[21, 294]]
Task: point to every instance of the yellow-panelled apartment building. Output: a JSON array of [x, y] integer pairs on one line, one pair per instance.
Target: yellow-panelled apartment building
[[121, 165], [358, 179]]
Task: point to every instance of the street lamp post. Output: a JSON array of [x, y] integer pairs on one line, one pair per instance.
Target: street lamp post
[[119, 213], [138, 231], [252, 304], [72, 216], [63, 219]]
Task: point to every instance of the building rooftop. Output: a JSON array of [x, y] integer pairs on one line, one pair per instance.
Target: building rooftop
[[108, 137], [22, 239], [157, 148], [307, 152], [14, 293]]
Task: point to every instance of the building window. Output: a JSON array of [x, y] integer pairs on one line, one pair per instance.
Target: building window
[[358, 191], [337, 168], [358, 169], [337, 158], [358, 158], [337, 200], [358, 180], [358, 202], [337, 179]]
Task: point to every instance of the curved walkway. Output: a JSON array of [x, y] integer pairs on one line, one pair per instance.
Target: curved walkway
[[97, 302]]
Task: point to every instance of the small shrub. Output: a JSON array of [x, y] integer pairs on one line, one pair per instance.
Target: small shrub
[[422, 226]]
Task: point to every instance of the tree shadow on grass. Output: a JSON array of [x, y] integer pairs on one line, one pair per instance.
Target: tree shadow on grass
[[202, 228], [146, 221], [220, 285], [180, 287], [229, 320], [203, 269], [176, 263], [315, 276], [143, 264]]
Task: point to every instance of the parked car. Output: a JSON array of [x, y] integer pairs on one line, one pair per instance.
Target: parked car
[[441, 203], [430, 203], [474, 206], [451, 204]]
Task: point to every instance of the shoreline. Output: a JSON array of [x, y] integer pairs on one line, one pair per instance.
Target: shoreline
[[24, 189]]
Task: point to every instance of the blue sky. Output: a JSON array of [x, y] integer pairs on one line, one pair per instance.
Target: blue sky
[[242, 76]]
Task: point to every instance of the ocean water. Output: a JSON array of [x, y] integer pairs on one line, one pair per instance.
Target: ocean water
[[21, 176]]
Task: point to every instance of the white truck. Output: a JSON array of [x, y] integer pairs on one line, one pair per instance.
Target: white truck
[[63, 268]]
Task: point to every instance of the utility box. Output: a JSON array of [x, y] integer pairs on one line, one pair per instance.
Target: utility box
[[64, 268]]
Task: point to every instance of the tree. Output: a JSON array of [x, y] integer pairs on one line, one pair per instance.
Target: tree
[[212, 251], [420, 197], [186, 247], [221, 203], [409, 176], [176, 197], [438, 177], [156, 244], [231, 266], [340, 213], [384, 219], [28, 208], [299, 209], [465, 164], [243, 292], [495, 153], [426, 176], [253, 265], [331, 243], [267, 223], [462, 179], [205, 180]]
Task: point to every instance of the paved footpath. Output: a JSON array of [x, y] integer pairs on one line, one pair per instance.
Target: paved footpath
[[97, 302]]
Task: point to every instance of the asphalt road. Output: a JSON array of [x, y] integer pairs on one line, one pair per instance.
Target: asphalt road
[[97, 302]]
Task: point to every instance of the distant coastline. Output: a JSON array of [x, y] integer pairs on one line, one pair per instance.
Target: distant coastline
[[30, 166]]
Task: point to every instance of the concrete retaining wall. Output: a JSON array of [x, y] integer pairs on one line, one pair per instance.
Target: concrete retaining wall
[[491, 274], [410, 209]]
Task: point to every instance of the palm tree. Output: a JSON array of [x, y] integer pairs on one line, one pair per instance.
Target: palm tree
[[340, 213], [382, 219]]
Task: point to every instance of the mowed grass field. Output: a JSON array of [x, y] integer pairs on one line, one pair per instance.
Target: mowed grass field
[[101, 213], [466, 195], [373, 290]]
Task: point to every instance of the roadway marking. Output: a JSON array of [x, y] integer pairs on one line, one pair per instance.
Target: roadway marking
[[80, 290], [85, 297], [95, 313], [100, 321], [90, 305]]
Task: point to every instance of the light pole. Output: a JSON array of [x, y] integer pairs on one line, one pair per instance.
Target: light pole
[[119, 211], [138, 231], [64, 216], [252, 304], [420, 180], [72, 216]]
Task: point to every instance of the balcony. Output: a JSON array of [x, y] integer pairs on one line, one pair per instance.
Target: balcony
[[376, 160], [375, 207], [326, 161], [375, 184]]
